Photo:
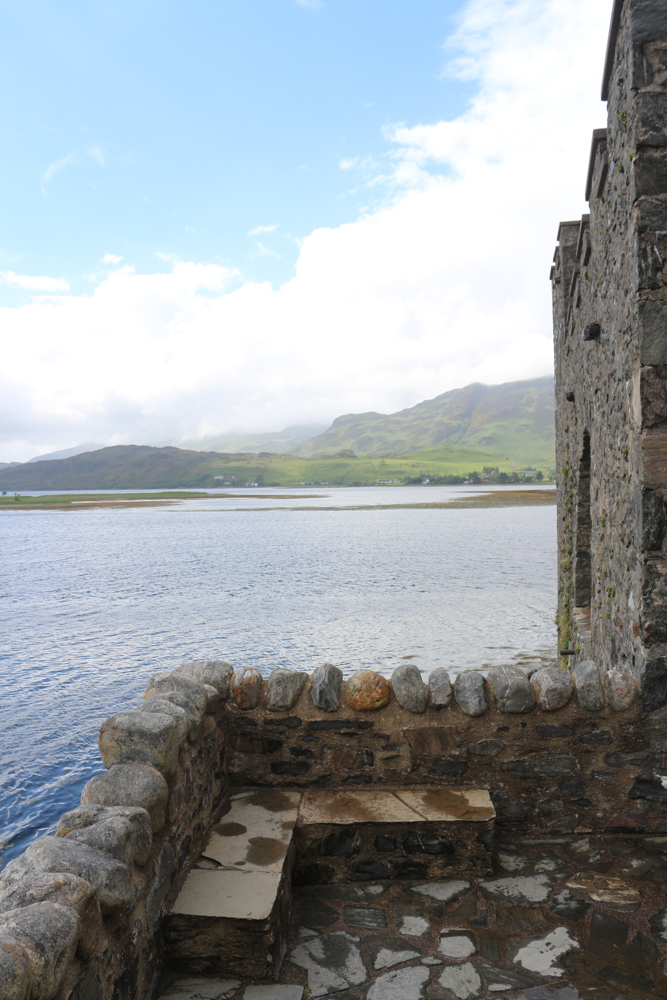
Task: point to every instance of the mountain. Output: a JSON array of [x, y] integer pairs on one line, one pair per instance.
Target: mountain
[[137, 467], [54, 456], [284, 442], [514, 421]]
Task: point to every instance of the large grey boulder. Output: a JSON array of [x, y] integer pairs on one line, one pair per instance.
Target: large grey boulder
[[441, 688], [622, 689], [179, 699], [285, 686], [325, 690], [409, 688], [188, 686], [49, 934], [66, 890], [470, 693], [109, 878], [141, 738], [15, 977], [588, 686], [217, 673], [130, 785], [123, 832], [163, 706], [512, 692], [553, 688]]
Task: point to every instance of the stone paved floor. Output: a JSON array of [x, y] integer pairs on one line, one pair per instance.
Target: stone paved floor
[[561, 919]]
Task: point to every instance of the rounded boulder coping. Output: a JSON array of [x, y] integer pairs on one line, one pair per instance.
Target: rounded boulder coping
[[325, 688], [366, 691], [15, 974], [188, 686], [50, 934], [142, 738], [246, 688], [411, 692], [470, 693], [553, 688], [216, 673], [130, 785]]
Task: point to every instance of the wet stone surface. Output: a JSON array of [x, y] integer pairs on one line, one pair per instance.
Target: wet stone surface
[[556, 921]]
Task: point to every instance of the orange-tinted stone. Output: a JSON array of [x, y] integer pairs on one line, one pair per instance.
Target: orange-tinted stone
[[367, 690]]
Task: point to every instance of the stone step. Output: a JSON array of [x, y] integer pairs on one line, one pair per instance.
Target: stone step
[[232, 913], [411, 834]]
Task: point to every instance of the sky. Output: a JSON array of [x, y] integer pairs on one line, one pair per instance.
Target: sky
[[229, 216]]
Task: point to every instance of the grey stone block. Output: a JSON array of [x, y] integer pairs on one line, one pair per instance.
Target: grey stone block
[[49, 933], [184, 684], [163, 706], [654, 685], [15, 977], [621, 690], [588, 686], [130, 785], [66, 890], [325, 690], [285, 686], [195, 716], [109, 878], [409, 688], [511, 690], [403, 984], [462, 980], [553, 688], [123, 832], [217, 673], [652, 332], [273, 992], [470, 693], [441, 688], [200, 988], [141, 738]]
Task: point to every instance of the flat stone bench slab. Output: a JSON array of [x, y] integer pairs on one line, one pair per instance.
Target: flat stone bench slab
[[232, 913], [412, 833]]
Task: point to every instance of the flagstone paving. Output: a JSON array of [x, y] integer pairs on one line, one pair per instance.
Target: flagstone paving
[[564, 919]]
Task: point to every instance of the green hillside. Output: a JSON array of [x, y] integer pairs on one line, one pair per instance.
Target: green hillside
[[140, 467], [514, 421]]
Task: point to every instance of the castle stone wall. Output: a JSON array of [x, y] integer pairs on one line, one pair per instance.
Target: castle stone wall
[[610, 338]]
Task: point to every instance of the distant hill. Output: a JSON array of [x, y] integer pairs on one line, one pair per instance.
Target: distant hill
[[67, 452], [514, 421], [509, 426], [140, 467], [284, 442]]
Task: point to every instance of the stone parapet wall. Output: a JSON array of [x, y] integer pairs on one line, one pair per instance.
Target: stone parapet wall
[[80, 910], [582, 766]]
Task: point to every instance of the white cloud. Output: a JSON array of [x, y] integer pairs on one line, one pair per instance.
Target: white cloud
[[34, 283], [57, 166], [313, 4], [97, 154], [258, 230], [111, 258], [442, 282], [262, 251]]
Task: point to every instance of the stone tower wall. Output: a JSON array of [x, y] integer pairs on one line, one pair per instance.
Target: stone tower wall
[[610, 338]]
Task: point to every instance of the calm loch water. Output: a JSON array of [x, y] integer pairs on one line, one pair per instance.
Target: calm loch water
[[94, 601]]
